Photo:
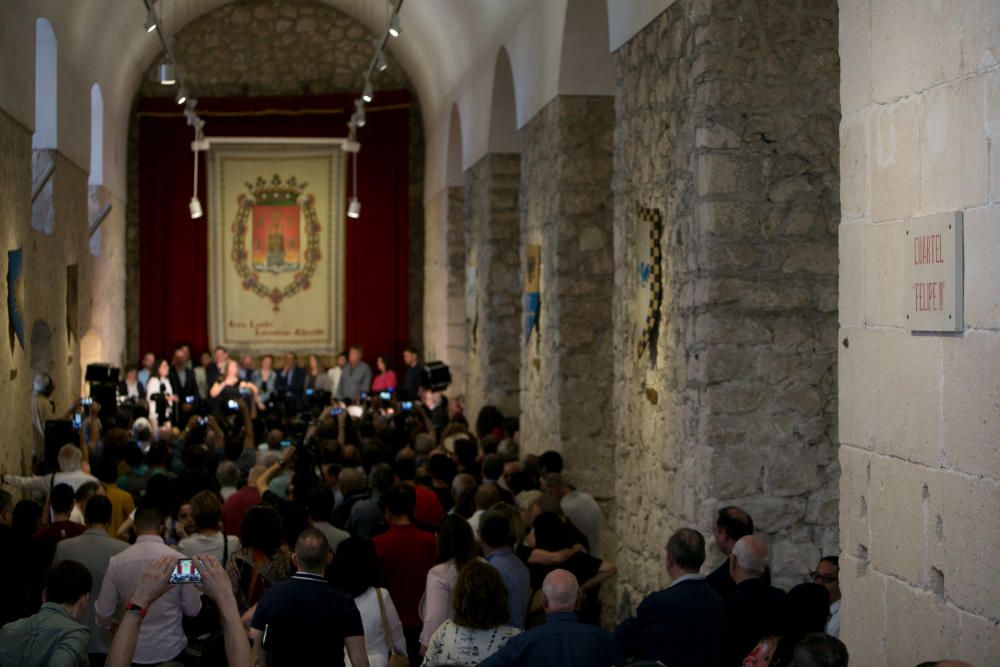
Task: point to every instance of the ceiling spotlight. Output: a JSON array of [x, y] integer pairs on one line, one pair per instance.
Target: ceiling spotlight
[[195, 207], [367, 96], [354, 208], [151, 20], [168, 76], [394, 28], [181, 97], [380, 64]]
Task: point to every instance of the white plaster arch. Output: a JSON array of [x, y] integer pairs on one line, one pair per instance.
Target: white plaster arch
[[503, 137], [455, 176], [46, 134]]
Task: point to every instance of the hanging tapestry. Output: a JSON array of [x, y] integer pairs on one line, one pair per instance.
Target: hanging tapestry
[[648, 281], [72, 291], [532, 289], [15, 297], [276, 247]]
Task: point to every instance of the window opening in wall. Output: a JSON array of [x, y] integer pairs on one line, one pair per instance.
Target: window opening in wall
[[96, 136], [46, 86]]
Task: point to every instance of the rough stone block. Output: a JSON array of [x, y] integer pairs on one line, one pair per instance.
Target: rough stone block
[[914, 46], [894, 160], [726, 173], [896, 505], [883, 274], [855, 54], [954, 169], [969, 541], [852, 384], [862, 614], [855, 130], [982, 271], [971, 396], [918, 625], [980, 640], [851, 277]]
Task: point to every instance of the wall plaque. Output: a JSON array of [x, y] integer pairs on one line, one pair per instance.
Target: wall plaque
[[933, 271]]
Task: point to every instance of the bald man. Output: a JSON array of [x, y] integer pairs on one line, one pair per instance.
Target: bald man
[[563, 641], [754, 609]]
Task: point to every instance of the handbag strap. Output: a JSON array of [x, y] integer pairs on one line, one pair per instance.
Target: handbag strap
[[385, 621]]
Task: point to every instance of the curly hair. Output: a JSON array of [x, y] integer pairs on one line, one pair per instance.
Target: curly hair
[[480, 597]]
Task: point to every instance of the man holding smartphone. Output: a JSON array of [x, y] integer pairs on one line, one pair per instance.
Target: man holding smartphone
[[161, 638]]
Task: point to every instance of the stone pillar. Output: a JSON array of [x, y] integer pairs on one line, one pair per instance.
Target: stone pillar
[[727, 117], [491, 233], [455, 318], [567, 366], [920, 482]]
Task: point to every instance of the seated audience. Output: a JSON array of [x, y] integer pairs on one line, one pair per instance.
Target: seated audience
[[53, 636], [94, 548], [563, 641], [355, 573], [456, 546], [307, 621], [754, 609], [478, 627], [681, 625]]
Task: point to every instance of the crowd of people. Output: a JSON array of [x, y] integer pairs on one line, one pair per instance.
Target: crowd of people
[[230, 514]]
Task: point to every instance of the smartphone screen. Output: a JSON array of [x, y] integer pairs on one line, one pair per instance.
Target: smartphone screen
[[407, 405], [185, 572], [233, 405], [77, 420], [202, 420], [309, 391], [87, 401], [285, 444], [385, 395], [337, 411], [189, 399]]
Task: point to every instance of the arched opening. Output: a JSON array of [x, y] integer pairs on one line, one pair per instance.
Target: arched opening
[[586, 66], [503, 110], [96, 136], [46, 86]]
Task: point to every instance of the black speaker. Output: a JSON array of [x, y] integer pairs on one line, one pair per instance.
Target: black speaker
[[102, 373], [106, 395], [435, 376]]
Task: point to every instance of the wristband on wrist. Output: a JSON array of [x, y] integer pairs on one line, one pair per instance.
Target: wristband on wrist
[[133, 607]]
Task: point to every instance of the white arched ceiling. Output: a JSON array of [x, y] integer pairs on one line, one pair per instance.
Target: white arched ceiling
[[448, 48], [503, 109], [455, 176]]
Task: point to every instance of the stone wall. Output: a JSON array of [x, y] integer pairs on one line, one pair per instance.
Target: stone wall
[[492, 244], [918, 419], [43, 295], [727, 119], [257, 48], [456, 318], [566, 366]]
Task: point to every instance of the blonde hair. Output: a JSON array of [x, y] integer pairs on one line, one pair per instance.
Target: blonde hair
[[69, 458]]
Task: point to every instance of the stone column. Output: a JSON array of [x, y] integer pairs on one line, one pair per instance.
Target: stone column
[[455, 318], [567, 366], [491, 233], [727, 122]]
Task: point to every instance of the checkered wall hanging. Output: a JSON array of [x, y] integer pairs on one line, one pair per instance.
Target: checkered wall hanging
[[649, 280]]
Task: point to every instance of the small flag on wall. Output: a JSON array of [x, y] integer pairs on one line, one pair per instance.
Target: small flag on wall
[[15, 297]]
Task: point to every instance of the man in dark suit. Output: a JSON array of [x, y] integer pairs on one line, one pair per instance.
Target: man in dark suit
[[563, 641], [217, 369], [292, 381], [754, 609], [681, 625], [182, 378], [731, 524]]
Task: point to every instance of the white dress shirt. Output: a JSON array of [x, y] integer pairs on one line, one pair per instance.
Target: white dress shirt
[[161, 637], [42, 483], [833, 625]]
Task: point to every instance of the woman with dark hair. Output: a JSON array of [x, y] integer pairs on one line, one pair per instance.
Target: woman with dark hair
[[489, 422], [477, 629], [207, 536], [807, 608], [355, 572], [261, 561], [265, 379], [386, 378], [316, 377], [160, 395], [456, 546]]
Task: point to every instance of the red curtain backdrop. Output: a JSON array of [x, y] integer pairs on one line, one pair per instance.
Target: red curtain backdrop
[[173, 248]]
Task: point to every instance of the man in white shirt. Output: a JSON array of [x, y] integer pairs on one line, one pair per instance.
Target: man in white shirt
[[335, 371], [161, 638], [579, 507], [70, 462], [827, 575]]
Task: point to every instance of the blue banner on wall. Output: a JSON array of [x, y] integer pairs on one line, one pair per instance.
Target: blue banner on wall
[[15, 296]]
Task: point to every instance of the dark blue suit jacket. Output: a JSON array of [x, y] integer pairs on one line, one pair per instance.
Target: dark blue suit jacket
[[680, 626], [562, 642]]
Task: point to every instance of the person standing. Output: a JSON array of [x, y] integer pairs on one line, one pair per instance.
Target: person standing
[[304, 620], [356, 376], [410, 389], [827, 574], [731, 524], [754, 609], [495, 537], [94, 549]]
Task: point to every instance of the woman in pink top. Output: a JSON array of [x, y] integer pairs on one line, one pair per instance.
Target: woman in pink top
[[456, 546], [386, 379]]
